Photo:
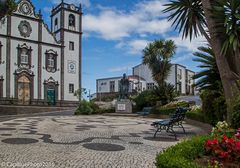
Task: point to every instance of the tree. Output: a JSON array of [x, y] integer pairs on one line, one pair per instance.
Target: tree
[[165, 93], [209, 83], [219, 22], [157, 56], [209, 77], [7, 7]]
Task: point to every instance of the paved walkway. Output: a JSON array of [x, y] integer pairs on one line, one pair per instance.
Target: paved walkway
[[82, 142]]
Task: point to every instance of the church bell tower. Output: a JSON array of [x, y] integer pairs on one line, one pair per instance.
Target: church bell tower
[[66, 24]]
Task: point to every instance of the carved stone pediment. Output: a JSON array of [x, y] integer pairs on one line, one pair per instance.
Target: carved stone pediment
[[22, 70], [51, 80]]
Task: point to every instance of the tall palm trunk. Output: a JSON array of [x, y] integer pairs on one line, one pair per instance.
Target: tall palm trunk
[[228, 77]]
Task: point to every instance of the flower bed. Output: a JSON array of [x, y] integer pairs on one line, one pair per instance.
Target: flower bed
[[220, 150]]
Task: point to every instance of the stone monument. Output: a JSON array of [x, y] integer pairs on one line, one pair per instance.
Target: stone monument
[[124, 105]]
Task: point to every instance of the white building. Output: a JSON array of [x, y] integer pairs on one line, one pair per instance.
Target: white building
[[110, 86], [179, 76], [142, 80], [37, 65]]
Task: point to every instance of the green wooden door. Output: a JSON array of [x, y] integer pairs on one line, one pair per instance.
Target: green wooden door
[[51, 97]]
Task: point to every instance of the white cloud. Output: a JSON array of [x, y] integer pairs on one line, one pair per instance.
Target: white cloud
[[120, 69], [133, 46], [136, 46], [186, 44], [86, 3], [180, 59], [126, 68], [114, 24], [153, 8]]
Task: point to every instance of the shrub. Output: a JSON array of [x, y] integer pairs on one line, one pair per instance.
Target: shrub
[[84, 108], [175, 104], [213, 106], [163, 111], [145, 99], [194, 115], [224, 150], [236, 114], [165, 93], [102, 111], [221, 129], [183, 154]]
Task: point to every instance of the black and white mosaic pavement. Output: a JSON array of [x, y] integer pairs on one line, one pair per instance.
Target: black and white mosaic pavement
[[84, 141]]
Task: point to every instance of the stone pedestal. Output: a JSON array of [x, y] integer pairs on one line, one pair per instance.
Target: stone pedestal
[[123, 106]]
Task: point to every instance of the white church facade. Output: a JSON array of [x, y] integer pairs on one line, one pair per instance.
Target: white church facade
[[39, 66]]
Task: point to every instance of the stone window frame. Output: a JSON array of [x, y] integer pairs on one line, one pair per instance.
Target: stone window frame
[[50, 84], [20, 48], [71, 46], [71, 21], [1, 86], [31, 79], [71, 88], [54, 54], [112, 86], [56, 23], [1, 52]]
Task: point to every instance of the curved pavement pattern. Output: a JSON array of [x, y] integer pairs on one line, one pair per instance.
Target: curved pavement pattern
[[83, 142]]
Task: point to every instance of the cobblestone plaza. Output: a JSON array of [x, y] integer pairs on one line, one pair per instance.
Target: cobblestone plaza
[[83, 142]]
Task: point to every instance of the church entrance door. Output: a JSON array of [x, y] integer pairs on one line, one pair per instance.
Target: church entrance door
[[51, 96], [24, 90]]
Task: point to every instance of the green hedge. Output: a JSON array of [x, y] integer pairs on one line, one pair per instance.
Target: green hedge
[[183, 154], [163, 111], [196, 116], [89, 108]]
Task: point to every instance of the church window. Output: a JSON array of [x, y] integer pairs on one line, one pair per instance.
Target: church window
[[0, 52], [24, 56], [51, 61], [71, 88], [71, 21], [56, 23], [71, 45]]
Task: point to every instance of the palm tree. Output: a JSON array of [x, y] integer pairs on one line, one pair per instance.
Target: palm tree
[[219, 22], [157, 56], [166, 93], [209, 77], [7, 7]]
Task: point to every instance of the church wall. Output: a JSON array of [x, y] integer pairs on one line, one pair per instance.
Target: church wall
[[47, 37], [14, 66], [3, 65], [55, 28], [15, 32], [69, 58], [3, 27], [67, 13], [45, 74]]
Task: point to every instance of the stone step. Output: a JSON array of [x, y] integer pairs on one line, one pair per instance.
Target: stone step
[[121, 114]]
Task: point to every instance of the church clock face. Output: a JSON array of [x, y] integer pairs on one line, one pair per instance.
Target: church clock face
[[25, 28], [25, 8]]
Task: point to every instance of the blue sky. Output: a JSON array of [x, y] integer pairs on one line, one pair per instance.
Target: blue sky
[[116, 31]]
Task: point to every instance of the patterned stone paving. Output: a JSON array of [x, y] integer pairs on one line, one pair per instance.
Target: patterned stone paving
[[83, 142]]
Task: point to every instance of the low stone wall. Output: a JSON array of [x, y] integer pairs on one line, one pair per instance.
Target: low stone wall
[[36, 102], [14, 110]]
